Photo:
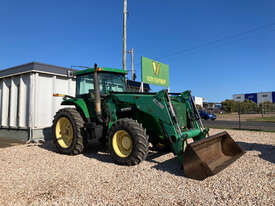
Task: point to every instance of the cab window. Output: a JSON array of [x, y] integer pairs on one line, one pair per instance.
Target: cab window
[[108, 82]]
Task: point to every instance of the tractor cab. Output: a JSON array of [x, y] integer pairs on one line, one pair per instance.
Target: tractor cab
[[94, 84], [109, 80]]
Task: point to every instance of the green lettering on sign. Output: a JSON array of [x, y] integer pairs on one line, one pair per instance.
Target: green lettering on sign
[[153, 72]]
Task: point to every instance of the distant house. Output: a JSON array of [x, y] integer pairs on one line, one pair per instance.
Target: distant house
[[212, 106]]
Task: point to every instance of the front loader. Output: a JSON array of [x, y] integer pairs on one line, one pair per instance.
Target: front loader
[[104, 110]]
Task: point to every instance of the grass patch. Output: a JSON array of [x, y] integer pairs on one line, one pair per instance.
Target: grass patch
[[263, 119]]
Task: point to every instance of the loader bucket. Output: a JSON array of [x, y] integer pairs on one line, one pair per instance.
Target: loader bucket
[[209, 156]]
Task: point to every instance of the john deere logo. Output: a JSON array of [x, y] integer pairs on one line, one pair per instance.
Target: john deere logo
[[156, 67]]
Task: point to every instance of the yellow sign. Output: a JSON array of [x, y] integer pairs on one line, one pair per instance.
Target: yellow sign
[[156, 68]]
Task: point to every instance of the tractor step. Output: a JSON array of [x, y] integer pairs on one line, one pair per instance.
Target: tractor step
[[209, 156]]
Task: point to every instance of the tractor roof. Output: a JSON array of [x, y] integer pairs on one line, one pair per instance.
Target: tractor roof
[[100, 69]]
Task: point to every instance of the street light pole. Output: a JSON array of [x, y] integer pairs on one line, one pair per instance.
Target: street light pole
[[124, 34]]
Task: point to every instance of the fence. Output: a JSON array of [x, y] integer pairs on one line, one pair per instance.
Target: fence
[[254, 117]]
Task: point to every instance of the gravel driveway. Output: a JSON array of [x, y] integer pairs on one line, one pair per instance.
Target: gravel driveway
[[35, 174]]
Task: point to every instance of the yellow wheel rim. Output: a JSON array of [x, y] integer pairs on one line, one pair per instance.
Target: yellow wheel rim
[[64, 132], [122, 143]]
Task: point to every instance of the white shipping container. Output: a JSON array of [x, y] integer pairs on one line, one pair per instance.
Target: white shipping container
[[26, 96], [1, 88]]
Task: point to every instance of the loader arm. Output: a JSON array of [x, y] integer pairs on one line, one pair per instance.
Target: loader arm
[[159, 106], [173, 117]]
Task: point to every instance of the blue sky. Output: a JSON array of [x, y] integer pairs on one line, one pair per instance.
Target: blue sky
[[216, 48]]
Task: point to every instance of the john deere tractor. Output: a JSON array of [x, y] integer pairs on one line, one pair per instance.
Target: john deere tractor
[[128, 122]]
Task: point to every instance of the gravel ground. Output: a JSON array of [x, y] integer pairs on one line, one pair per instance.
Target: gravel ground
[[35, 174]]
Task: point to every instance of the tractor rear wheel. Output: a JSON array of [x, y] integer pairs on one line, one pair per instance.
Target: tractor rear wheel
[[128, 142], [68, 132]]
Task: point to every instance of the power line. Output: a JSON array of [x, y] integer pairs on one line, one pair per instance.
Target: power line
[[223, 39], [226, 38], [214, 46]]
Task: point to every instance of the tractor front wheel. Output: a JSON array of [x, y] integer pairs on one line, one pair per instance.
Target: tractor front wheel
[[128, 142], [68, 132]]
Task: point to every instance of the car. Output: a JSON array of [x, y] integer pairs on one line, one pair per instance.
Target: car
[[206, 115]]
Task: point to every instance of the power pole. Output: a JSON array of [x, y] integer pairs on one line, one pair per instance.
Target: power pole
[[124, 34], [132, 63]]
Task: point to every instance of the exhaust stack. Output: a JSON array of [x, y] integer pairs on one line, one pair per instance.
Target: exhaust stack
[[97, 96]]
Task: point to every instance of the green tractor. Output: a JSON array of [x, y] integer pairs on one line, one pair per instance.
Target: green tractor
[[129, 121]]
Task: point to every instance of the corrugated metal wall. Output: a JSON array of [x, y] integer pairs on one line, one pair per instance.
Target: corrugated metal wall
[[26, 101], [1, 99], [24, 96], [46, 104], [14, 93], [4, 102]]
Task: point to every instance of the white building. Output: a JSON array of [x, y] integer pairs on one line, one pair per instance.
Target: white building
[[258, 98], [198, 100], [264, 97], [238, 97]]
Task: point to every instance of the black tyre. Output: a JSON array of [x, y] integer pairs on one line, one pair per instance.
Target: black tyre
[[128, 142], [68, 132]]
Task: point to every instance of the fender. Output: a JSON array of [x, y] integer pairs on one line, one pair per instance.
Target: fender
[[79, 103]]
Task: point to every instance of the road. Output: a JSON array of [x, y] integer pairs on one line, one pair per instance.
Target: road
[[266, 126]]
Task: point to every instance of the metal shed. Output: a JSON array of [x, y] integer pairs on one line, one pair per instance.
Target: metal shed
[[27, 105]]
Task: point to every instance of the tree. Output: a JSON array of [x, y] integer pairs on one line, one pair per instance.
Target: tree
[[230, 105], [248, 106]]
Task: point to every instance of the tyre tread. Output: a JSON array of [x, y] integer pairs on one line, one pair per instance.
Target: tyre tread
[[79, 142], [141, 144]]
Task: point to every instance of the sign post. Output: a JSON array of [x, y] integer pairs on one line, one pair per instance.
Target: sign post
[[153, 72]]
